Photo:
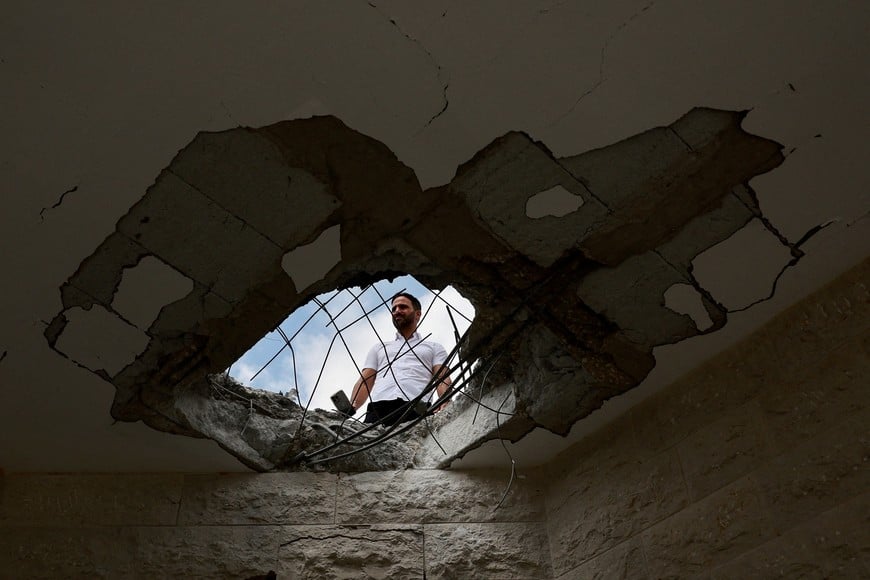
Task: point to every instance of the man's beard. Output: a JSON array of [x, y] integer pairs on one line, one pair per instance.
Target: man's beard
[[402, 323]]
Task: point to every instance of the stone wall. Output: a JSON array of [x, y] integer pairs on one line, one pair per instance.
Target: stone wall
[[754, 465], [400, 524]]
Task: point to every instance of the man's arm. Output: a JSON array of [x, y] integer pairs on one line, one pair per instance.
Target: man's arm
[[442, 376], [363, 387]]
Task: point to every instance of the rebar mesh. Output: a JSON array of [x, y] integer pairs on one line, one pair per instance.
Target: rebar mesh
[[320, 347]]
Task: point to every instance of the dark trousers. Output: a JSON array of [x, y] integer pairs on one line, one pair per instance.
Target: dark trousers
[[378, 410]]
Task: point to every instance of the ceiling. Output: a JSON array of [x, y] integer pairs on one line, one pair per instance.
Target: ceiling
[[99, 98]]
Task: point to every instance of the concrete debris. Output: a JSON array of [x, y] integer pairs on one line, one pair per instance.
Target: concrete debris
[[572, 302], [263, 429]]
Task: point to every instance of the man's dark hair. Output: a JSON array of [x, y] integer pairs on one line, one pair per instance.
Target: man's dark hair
[[414, 302]]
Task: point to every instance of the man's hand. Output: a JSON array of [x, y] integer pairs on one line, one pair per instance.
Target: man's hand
[[342, 404], [440, 372], [363, 388]]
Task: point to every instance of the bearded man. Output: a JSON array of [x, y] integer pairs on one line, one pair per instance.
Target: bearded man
[[398, 371]]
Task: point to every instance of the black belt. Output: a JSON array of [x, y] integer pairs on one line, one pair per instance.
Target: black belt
[[390, 413]]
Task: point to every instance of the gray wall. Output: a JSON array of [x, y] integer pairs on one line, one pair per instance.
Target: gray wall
[[371, 525], [754, 465]]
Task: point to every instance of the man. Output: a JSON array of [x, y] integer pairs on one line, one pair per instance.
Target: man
[[398, 371]]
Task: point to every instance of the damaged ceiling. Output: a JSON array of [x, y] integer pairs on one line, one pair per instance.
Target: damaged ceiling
[[602, 183]]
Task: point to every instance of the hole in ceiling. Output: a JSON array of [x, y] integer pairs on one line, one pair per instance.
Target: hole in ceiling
[[685, 299], [263, 219], [146, 288], [556, 201], [320, 348], [309, 263]]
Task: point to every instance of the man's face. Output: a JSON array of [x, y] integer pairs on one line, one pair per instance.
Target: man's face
[[404, 315]]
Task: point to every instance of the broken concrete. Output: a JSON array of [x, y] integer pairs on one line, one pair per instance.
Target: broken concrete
[[574, 301], [271, 432]]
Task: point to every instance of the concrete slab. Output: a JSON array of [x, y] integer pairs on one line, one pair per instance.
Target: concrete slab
[[221, 251], [499, 185], [248, 176], [100, 340], [631, 295]]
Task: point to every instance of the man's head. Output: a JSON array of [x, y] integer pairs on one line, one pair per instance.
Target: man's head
[[406, 311]]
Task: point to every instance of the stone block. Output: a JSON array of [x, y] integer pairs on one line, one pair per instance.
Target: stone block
[[835, 544], [332, 552], [838, 313], [90, 500], [686, 406], [818, 474], [600, 508], [196, 552], [429, 496], [493, 550], [795, 345], [622, 562], [49, 552], [263, 498], [721, 526], [833, 387], [615, 442], [731, 446]]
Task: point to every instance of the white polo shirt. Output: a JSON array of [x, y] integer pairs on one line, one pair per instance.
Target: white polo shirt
[[408, 362]]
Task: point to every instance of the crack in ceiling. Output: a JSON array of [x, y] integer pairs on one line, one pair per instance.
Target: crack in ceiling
[[58, 203]]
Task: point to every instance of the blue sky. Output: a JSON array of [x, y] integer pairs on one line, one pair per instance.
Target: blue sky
[[312, 340]]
